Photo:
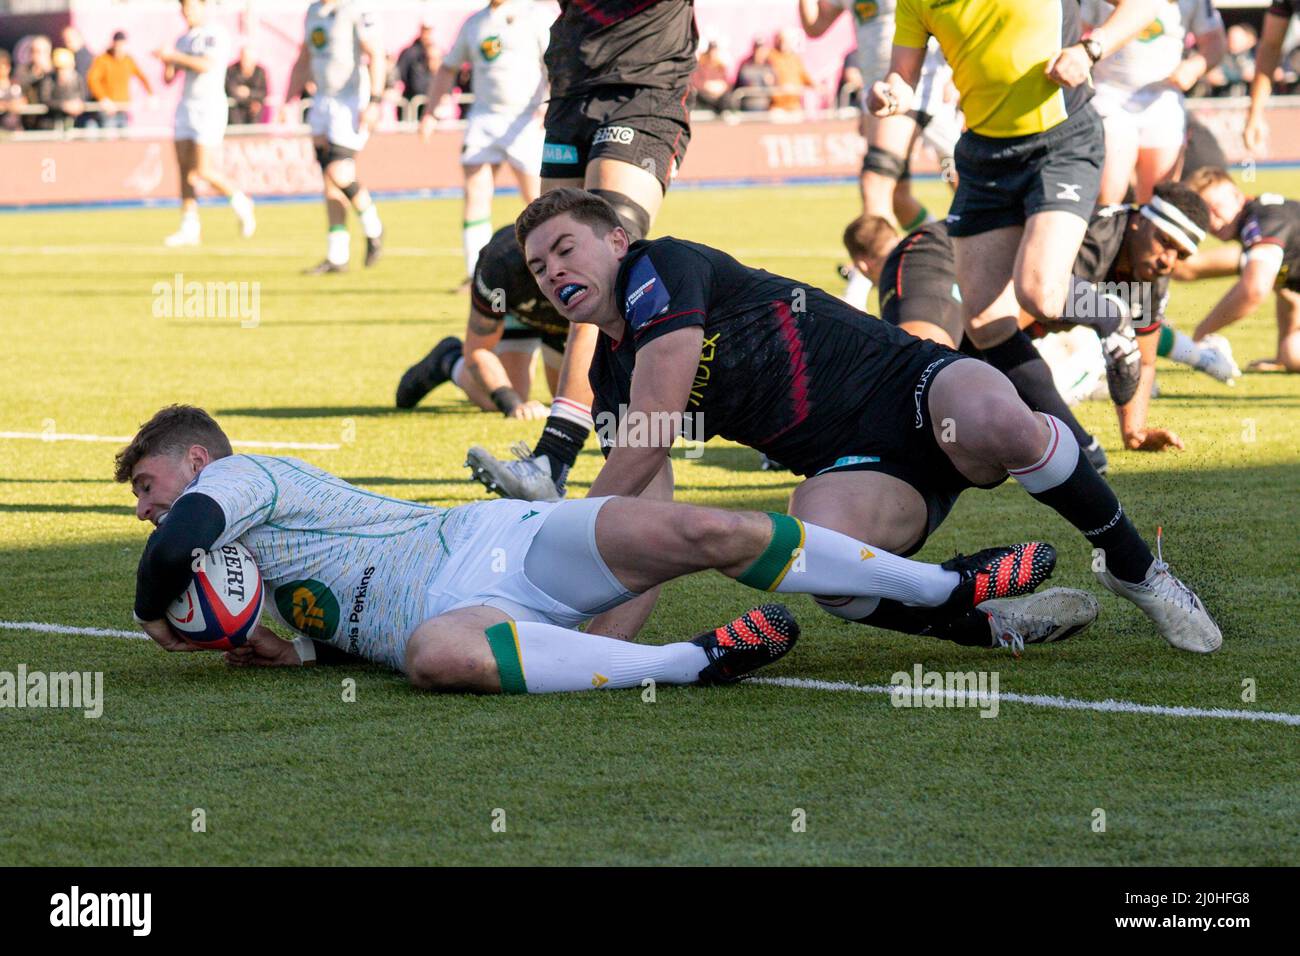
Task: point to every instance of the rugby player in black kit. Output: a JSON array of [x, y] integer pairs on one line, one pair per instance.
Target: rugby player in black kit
[[617, 124], [886, 429], [1128, 252]]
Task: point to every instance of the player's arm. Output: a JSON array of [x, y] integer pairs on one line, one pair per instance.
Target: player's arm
[[1072, 67], [1211, 47], [300, 73], [183, 61], [191, 528], [265, 648], [661, 386], [894, 93], [1133, 415], [443, 80], [1209, 264], [579, 349], [482, 335], [1256, 282], [368, 43], [817, 16], [1268, 52]]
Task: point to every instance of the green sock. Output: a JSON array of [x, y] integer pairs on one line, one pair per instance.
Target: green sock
[[766, 573], [921, 219], [1166, 343], [503, 640]]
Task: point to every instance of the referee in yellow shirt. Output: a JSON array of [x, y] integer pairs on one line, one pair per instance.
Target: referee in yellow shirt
[[1029, 164]]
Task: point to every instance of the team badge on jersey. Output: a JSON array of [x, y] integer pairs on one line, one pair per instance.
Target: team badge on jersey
[[309, 607], [1153, 30], [646, 296], [490, 48], [865, 10], [319, 38], [1251, 233]]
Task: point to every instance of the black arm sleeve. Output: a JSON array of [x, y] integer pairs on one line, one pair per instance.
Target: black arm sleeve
[[195, 522], [328, 655]]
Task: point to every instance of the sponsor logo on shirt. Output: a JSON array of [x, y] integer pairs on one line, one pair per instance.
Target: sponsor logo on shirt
[[560, 153], [490, 48], [614, 134], [648, 297], [309, 607], [865, 10], [1152, 31], [358, 609], [319, 38]]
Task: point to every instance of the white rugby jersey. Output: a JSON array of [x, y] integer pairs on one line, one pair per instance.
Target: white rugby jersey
[[504, 47], [207, 88], [874, 22], [338, 564], [334, 32], [1155, 52]]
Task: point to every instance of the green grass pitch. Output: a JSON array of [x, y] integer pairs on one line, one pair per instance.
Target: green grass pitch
[[289, 773]]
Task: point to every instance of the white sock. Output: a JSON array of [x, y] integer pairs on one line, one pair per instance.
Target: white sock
[[856, 292], [1184, 351], [339, 249], [370, 224], [460, 377], [239, 202], [834, 563], [572, 411], [190, 221], [1057, 462], [475, 236], [549, 658]]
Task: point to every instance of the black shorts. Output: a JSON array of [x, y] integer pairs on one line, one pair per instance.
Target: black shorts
[[1002, 182], [929, 297], [896, 438], [521, 331], [633, 124]]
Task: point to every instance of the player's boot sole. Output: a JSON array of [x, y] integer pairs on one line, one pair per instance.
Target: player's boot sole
[[1040, 618], [753, 640]]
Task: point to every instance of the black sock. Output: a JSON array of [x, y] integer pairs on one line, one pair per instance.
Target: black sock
[[449, 360], [1087, 502], [1018, 360], [970, 629], [560, 442]]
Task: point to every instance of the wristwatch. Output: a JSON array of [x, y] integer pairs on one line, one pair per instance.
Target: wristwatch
[[1092, 46]]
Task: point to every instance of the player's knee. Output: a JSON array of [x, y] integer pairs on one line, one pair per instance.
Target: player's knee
[[635, 218], [711, 533], [437, 665], [342, 173]]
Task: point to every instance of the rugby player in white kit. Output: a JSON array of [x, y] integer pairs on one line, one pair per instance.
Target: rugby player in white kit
[[343, 49], [504, 44], [487, 597], [1140, 92], [202, 54]]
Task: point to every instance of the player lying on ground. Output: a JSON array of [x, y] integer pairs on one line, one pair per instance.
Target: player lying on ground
[[1126, 254], [509, 319], [888, 429], [1268, 229], [486, 596]]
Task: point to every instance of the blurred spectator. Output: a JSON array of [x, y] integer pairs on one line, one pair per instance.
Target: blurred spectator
[[72, 40], [246, 87], [709, 81], [849, 90], [754, 78], [62, 92], [109, 83], [1233, 74], [791, 75], [11, 94], [31, 73], [417, 65]]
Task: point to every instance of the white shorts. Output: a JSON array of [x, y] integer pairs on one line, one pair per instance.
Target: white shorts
[[1155, 116], [488, 568], [339, 121], [495, 138], [944, 127], [204, 123]]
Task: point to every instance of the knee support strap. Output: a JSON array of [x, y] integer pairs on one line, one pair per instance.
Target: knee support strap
[[884, 163]]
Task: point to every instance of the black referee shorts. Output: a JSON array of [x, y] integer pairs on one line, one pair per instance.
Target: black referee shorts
[[1002, 182], [633, 124]]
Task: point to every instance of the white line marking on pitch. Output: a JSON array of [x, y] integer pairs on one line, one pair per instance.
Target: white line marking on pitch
[[1037, 700], [119, 439], [245, 252], [1046, 700], [64, 629]]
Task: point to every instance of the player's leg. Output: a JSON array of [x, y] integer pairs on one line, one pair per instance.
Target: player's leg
[[530, 184], [188, 234], [476, 226], [991, 432], [205, 169], [1212, 354], [338, 249], [484, 650], [1121, 158], [1160, 142], [552, 363]]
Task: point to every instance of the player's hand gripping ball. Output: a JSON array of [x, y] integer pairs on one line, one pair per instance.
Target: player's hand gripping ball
[[221, 606]]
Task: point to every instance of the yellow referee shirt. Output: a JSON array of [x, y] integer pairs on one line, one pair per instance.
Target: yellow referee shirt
[[998, 50]]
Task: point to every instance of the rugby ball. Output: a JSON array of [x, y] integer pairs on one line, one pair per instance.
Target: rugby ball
[[221, 606]]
